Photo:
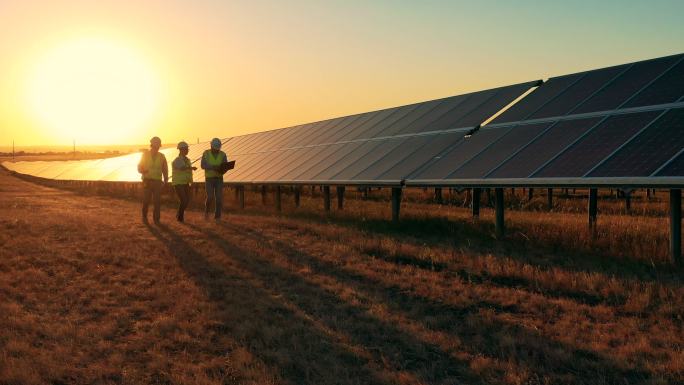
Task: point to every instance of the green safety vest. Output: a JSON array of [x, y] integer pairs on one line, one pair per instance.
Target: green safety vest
[[182, 176], [152, 165], [213, 161]]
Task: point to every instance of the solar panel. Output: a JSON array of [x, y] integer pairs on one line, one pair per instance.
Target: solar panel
[[634, 79], [294, 166], [355, 155], [461, 153], [378, 152], [390, 159], [401, 124], [596, 145], [537, 98], [375, 119], [440, 141], [674, 168], [543, 148], [437, 145], [336, 153], [590, 83], [649, 150], [498, 151], [666, 89], [420, 124], [323, 132]]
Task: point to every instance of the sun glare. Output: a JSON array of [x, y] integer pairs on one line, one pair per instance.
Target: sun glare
[[93, 91]]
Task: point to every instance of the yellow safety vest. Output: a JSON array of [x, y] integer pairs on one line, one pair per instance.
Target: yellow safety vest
[[152, 165], [181, 176], [212, 160]]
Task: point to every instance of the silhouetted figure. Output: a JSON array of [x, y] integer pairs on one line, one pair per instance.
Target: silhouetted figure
[[212, 161], [153, 168], [181, 178]]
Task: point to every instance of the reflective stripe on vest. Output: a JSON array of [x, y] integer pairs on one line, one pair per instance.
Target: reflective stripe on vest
[[182, 176], [152, 165], [213, 161]]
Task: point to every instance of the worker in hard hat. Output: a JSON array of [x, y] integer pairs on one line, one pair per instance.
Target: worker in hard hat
[[211, 164], [154, 169], [181, 178]]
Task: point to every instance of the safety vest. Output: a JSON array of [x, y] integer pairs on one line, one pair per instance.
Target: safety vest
[[153, 165], [181, 176], [213, 161]]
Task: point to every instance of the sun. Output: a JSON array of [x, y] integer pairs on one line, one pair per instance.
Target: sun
[[93, 90]]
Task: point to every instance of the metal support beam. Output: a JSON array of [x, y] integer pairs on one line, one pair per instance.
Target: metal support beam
[[593, 206], [530, 193], [326, 198], [489, 197], [476, 202], [438, 195], [628, 201], [499, 203], [241, 196], [297, 195], [549, 198], [396, 203], [278, 195], [676, 226], [263, 194], [340, 197]]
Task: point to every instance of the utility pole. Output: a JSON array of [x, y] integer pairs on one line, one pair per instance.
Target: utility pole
[[74, 151], [12, 150]]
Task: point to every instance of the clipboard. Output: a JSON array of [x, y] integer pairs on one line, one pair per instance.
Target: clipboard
[[227, 166]]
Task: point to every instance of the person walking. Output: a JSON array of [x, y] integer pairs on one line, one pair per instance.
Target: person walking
[[153, 168], [212, 161], [181, 178]]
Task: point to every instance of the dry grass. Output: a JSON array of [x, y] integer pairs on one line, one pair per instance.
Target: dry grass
[[90, 295]]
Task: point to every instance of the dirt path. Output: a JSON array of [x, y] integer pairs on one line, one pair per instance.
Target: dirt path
[[91, 295]]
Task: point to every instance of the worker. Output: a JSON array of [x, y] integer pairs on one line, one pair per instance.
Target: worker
[[212, 161], [153, 168], [181, 178]]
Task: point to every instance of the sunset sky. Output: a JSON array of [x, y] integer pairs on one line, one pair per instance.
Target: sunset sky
[[118, 72]]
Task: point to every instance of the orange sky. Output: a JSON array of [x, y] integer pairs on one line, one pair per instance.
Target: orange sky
[[219, 68]]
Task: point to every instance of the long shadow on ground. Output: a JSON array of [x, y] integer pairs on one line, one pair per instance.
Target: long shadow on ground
[[301, 352], [558, 362]]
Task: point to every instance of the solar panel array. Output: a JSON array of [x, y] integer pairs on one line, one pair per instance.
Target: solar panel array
[[618, 123]]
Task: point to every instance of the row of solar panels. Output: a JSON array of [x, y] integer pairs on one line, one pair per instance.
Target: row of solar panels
[[621, 125]]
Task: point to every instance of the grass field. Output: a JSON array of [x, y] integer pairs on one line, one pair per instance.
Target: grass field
[[92, 295]]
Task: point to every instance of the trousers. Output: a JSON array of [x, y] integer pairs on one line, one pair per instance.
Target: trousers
[[183, 193], [214, 187], [152, 192]]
